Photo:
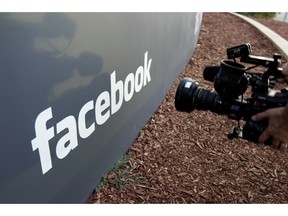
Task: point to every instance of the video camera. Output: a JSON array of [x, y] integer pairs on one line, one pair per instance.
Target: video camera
[[231, 80]]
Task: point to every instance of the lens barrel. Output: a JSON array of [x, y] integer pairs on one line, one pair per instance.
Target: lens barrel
[[190, 96]]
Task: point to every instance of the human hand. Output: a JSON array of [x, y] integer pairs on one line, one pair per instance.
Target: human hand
[[277, 126]]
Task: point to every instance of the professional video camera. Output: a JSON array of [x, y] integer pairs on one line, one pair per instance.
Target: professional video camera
[[231, 80]]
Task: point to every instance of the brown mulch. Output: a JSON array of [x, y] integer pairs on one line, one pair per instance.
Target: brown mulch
[[187, 157], [279, 27]]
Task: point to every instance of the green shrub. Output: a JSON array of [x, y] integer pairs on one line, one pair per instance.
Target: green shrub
[[265, 15]]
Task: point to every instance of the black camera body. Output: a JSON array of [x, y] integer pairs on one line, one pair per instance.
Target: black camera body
[[231, 80]]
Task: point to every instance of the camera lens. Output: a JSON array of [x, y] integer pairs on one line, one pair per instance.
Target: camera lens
[[190, 96]]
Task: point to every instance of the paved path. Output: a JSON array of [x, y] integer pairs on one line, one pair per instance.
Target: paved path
[[276, 39]]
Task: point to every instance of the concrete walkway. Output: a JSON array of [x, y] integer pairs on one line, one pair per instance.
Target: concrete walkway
[[276, 39]]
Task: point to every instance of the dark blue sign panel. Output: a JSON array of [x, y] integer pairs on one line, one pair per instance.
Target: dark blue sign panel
[[76, 89]]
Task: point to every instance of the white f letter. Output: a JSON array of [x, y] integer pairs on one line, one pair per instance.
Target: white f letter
[[41, 141]]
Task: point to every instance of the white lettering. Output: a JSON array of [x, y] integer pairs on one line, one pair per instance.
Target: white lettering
[[139, 79], [129, 83], [41, 141], [147, 76], [116, 87], [106, 104], [85, 132], [102, 103], [69, 141]]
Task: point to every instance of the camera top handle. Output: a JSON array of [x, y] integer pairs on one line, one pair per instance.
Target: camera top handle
[[244, 52]]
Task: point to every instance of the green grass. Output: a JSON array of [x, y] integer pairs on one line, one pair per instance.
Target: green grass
[[265, 15], [120, 176]]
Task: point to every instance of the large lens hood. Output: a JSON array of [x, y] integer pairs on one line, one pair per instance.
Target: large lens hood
[[184, 95]]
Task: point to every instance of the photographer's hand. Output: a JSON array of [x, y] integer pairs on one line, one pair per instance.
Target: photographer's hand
[[277, 125]]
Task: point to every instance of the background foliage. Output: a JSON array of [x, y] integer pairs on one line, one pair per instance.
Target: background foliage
[[265, 15]]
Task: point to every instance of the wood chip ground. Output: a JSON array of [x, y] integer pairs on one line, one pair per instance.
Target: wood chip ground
[[187, 157]]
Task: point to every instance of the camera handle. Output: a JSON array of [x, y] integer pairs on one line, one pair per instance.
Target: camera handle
[[236, 132], [251, 131]]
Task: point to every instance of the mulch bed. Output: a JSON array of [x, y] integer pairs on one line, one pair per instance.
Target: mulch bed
[[187, 157]]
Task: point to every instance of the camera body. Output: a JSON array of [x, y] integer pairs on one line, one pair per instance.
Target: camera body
[[231, 80]]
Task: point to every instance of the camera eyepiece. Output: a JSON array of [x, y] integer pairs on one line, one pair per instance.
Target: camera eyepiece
[[231, 81]]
